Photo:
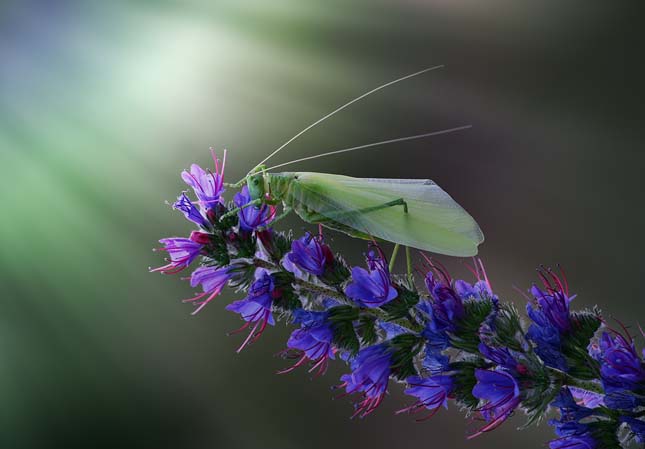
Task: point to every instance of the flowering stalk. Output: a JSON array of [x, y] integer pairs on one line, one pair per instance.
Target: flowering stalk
[[448, 341]]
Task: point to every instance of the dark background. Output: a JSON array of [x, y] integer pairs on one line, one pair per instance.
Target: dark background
[[103, 104]]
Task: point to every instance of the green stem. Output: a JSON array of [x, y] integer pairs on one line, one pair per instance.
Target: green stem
[[335, 294], [574, 382]]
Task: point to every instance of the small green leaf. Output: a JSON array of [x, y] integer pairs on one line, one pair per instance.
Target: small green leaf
[[342, 322], [405, 348], [367, 329], [465, 381], [466, 335], [400, 306]]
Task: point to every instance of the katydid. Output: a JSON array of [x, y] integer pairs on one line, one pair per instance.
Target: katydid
[[416, 213]]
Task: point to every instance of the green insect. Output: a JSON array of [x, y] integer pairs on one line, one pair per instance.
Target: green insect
[[410, 212]]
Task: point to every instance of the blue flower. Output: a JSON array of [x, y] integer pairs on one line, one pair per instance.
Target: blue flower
[[313, 340], [572, 433], [546, 338], [501, 394], [584, 441], [504, 358], [370, 376], [570, 410], [310, 254], [553, 304], [586, 398], [636, 426], [446, 305], [551, 319], [190, 211], [435, 360], [392, 330], [213, 280], [252, 217], [208, 186], [431, 392], [371, 288], [182, 252], [255, 309], [480, 291]]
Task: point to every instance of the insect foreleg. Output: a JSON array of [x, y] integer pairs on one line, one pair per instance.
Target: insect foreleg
[[232, 212], [286, 211], [237, 185]]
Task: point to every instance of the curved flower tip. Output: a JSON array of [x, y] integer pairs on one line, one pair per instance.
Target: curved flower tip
[[309, 253], [191, 212], [208, 186], [255, 309], [370, 377], [213, 280], [621, 368], [252, 217], [501, 394], [182, 252], [432, 393], [371, 288], [312, 342]]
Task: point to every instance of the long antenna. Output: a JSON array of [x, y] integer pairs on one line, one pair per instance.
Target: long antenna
[[382, 142], [340, 109]]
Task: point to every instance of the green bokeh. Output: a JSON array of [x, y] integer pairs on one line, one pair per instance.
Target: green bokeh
[[103, 103]]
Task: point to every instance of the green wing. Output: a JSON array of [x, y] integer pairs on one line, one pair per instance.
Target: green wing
[[434, 222]]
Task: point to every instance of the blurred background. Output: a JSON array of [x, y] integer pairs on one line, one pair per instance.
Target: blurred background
[[102, 104]]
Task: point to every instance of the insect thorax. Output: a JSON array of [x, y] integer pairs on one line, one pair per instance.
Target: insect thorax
[[279, 185]]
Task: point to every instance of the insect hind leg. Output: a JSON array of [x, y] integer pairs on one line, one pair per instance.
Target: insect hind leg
[[393, 203]]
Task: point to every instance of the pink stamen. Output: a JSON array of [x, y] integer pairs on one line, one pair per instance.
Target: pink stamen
[[481, 264], [248, 338]]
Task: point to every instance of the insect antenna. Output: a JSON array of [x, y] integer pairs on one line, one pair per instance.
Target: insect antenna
[[383, 86], [374, 144]]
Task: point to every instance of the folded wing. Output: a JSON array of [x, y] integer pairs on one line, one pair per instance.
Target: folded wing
[[434, 222]]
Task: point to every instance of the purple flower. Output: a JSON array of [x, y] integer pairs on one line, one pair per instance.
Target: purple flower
[[371, 288], [620, 366], [570, 410], [370, 375], [208, 186], [551, 319], [313, 340], [446, 305], [584, 441], [586, 398], [213, 280], [503, 358], [431, 392], [182, 252], [190, 211], [392, 329], [255, 309], [252, 217], [554, 303], [310, 254], [501, 394], [621, 370], [572, 433]]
